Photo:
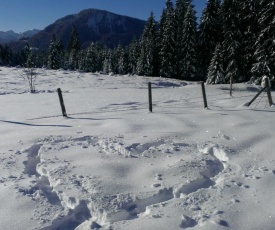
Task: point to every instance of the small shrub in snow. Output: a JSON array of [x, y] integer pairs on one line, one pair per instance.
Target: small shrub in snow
[[30, 76]]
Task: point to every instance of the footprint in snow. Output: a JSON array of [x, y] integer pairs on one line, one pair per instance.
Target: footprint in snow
[[221, 222], [252, 177], [264, 169], [226, 137], [187, 222], [156, 185]]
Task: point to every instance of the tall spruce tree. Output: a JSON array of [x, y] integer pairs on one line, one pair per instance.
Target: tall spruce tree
[[55, 53], [250, 29], [209, 34], [265, 45], [90, 59], [232, 43], [180, 11], [73, 50], [6, 55], [189, 49], [29, 58], [141, 62], [147, 61], [215, 71], [167, 41], [107, 62], [121, 60], [61, 53], [118, 62], [133, 55]]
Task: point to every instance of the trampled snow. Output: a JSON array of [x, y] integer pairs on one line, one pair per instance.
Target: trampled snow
[[111, 164]]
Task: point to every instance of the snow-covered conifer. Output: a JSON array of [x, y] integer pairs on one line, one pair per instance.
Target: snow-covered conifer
[[73, 50], [54, 54], [215, 71], [232, 43], [180, 11], [133, 55], [265, 45], [167, 41], [91, 59], [118, 62], [189, 46], [107, 61], [209, 34], [249, 27], [148, 50]]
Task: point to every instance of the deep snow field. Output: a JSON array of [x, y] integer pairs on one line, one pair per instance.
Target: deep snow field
[[111, 164]]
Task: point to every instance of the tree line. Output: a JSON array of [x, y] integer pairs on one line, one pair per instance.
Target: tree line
[[233, 40]]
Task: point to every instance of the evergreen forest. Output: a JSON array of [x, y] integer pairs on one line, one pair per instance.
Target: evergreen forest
[[233, 39]]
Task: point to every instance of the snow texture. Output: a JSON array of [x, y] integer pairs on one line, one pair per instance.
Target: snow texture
[[111, 164]]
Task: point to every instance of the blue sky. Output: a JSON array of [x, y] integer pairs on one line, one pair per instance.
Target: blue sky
[[22, 15]]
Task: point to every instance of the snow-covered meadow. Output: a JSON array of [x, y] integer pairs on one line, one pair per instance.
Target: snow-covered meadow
[[111, 164]]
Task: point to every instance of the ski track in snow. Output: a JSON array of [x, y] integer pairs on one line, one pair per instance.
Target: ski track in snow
[[76, 211]]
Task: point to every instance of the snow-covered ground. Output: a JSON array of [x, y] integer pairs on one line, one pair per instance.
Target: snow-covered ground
[[114, 165]]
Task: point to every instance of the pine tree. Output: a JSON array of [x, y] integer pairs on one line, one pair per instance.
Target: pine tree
[[265, 45], [118, 64], [54, 54], [215, 71], [90, 59], [209, 34], [250, 29], [134, 52], [60, 53], [232, 43], [167, 41], [73, 50], [74, 41], [180, 11], [147, 61], [189, 46], [6, 55], [121, 60], [107, 63], [100, 56], [29, 59]]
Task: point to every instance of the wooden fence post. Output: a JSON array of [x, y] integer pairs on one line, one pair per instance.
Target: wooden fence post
[[267, 85], [204, 95], [231, 85], [254, 98], [150, 97], [61, 102]]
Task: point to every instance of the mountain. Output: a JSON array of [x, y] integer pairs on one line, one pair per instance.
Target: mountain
[[92, 25], [10, 36], [29, 33]]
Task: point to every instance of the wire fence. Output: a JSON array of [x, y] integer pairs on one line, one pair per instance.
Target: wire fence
[[191, 102]]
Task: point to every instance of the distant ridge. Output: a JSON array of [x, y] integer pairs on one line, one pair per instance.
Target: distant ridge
[[9, 36], [92, 25]]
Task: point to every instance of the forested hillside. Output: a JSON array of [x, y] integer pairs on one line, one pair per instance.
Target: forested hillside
[[232, 40]]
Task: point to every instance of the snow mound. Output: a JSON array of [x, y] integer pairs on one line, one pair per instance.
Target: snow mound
[[215, 151]]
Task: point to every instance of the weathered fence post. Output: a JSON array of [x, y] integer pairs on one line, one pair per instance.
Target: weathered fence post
[[204, 95], [267, 85], [150, 97], [231, 85], [254, 98], [61, 102]]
